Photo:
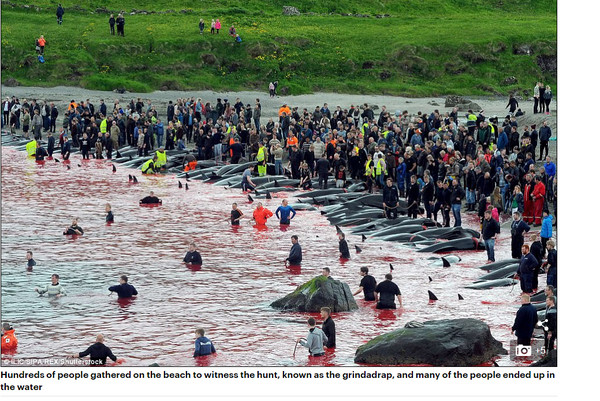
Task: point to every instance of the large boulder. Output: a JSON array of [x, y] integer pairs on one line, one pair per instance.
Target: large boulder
[[449, 342], [289, 10], [319, 292]]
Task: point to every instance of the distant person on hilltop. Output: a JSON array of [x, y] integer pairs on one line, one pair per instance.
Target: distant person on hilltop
[[232, 32], [111, 22], [218, 25], [60, 11], [201, 26], [121, 25], [212, 26]]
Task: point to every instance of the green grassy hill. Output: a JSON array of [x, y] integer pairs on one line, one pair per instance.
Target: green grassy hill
[[424, 47]]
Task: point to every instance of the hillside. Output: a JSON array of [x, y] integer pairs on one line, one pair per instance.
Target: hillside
[[413, 47]]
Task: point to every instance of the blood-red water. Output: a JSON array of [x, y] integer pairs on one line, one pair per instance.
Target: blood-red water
[[229, 295]]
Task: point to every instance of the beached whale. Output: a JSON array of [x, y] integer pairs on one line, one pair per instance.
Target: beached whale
[[462, 244], [502, 282]]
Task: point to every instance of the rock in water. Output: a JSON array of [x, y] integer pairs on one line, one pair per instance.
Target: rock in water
[[449, 342], [316, 293]]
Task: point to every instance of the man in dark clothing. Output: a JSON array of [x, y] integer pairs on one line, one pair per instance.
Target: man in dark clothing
[[367, 285], [427, 194], [412, 198], [237, 150], [537, 251], [40, 153], [60, 11], [550, 325], [525, 321], [488, 232], [328, 327], [323, 171], [295, 257], [74, 228], [150, 199], [527, 266], [343, 246], [386, 292], [456, 200], [123, 290], [193, 256], [390, 199], [98, 352], [545, 135], [517, 229]]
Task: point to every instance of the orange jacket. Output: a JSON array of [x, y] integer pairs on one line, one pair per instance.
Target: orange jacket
[[285, 109], [9, 341], [292, 141], [261, 215], [191, 166], [42, 42]]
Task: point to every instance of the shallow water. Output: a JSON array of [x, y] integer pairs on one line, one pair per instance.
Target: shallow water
[[229, 295]]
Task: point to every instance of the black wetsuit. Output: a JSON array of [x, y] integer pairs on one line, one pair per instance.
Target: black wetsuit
[[328, 328], [345, 252], [109, 217], [31, 263], [124, 290], [368, 283], [235, 214], [98, 353], [150, 199], [193, 257], [387, 291], [71, 230]]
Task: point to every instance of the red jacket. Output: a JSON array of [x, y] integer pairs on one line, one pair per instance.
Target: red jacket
[[9, 341], [539, 191], [261, 215], [527, 192]]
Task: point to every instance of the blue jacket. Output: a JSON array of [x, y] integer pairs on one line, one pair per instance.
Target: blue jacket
[[502, 140], [525, 321], [546, 227], [160, 129], [203, 346], [550, 169]]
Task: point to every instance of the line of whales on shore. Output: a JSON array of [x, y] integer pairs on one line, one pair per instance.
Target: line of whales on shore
[[350, 207]]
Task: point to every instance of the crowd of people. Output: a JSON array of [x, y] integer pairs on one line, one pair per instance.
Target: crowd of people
[[442, 161]]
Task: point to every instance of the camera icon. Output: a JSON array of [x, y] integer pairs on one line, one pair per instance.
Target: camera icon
[[523, 350]]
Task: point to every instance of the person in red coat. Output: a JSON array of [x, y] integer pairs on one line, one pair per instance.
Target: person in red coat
[[528, 200], [538, 195], [9, 341]]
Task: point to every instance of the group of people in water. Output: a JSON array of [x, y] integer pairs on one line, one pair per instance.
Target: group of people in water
[[442, 161]]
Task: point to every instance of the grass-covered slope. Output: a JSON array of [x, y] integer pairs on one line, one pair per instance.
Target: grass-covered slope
[[424, 47]]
